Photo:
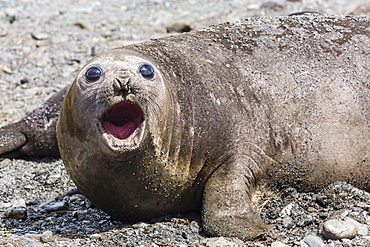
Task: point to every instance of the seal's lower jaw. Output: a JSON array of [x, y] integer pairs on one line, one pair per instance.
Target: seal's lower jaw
[[123, 126]]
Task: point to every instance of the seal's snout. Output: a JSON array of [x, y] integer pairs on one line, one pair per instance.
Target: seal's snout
[[122, 120], [122, 84]]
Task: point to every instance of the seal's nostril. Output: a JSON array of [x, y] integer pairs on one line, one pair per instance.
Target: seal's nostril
[[122, 85], [117, 84]]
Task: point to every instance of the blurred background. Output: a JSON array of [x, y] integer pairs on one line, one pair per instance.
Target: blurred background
[[44, 43]]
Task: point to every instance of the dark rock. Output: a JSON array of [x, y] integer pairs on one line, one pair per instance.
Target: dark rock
[[19, 213], [57, 206], [179, 27], [83, 25], [24, 81]]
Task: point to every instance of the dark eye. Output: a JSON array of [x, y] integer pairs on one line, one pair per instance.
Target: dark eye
[[146, 71], [93, 74]]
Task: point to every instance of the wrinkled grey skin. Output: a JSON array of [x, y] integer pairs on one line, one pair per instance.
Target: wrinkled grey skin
[[35, 134], [280, 99]]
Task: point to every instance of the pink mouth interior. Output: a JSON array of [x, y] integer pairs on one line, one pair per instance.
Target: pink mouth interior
[[122, 120]]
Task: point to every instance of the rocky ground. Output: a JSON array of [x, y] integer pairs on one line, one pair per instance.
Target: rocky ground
[[44, 43]]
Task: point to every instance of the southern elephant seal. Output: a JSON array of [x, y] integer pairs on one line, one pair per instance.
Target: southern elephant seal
[[195, 121]]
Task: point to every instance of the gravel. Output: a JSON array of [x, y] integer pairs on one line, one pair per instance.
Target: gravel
[[44, 44]]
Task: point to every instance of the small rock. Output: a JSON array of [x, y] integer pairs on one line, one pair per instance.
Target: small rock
[[29, 187], [140, 225], [39, 35], [95, 236], [57, 206], [24, 241], [77, 198], [313, 241], [339, 214], [361, 228], [72, 191], [51, 219], [83, 25], [311, 209], [46, 237], [179, 27], [278, 244], [288, 222], [5, 69], [12, 19], [46, 203], [338, 229], [3, 31], [194, 227], [5, 162], [291, 209], [218, 242], [24, 81], [304, 220], [19, 213], [41, 43], [19, 203]]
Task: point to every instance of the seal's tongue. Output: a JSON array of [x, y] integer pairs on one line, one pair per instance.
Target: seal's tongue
[[122, 120]]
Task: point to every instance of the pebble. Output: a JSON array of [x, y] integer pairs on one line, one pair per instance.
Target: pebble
[[361, 228], [47, 236], [95, 236], [218, 242], [338, 229], [313, 241], [179, 27], [20, 202], [5, 162], [291, 209], [5, 69], [194, 226], [84, 25], [288, 222], [39, 35], [278, 244], [28, 242], [19, 213], [3, 31], [57, 206]]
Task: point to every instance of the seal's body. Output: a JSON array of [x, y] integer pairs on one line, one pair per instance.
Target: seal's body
[[194, 121]]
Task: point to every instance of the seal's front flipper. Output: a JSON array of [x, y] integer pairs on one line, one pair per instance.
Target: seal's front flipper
[[35, 134], [227, 207], [11, 139]]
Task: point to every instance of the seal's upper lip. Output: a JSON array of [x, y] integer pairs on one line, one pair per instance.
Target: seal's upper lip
[[122, 120]]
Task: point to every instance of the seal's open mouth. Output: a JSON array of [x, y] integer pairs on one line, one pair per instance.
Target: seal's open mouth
[[122, 120]]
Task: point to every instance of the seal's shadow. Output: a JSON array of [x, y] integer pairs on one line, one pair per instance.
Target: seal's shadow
[[73, 215]]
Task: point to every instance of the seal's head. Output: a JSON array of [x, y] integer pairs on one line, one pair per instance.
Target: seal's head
[[114, 100]]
